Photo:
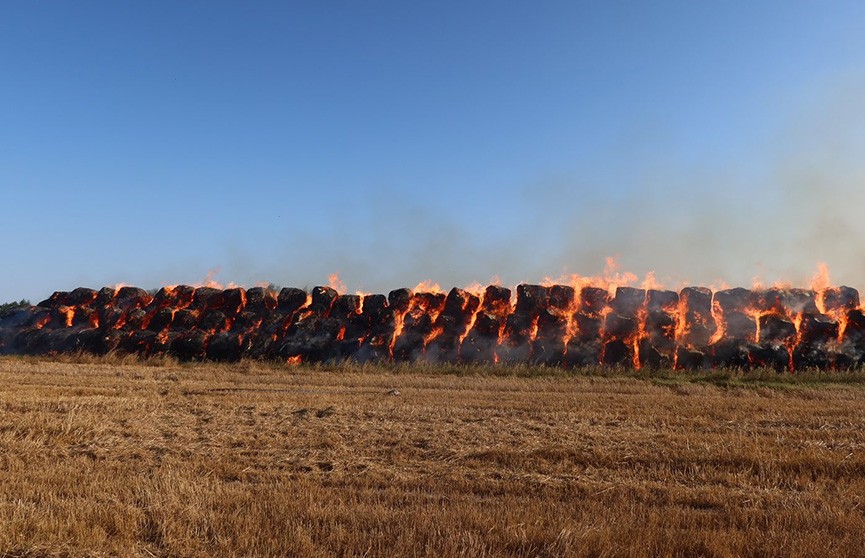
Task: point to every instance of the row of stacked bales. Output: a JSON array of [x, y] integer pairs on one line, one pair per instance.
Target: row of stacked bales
[[556, 325]]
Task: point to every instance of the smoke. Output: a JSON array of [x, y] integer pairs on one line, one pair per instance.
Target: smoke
[[771, 210], [725, 222]]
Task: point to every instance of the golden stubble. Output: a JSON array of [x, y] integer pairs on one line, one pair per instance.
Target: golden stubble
[[108, 457]]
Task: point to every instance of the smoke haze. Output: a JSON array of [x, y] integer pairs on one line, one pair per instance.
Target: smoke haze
[[709, 223]]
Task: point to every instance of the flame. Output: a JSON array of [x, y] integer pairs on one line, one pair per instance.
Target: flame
[[476, 289], [335, 283], [678, 331], [571, 328], [642, 319], [720, 322], [649, 282], [42, 322], [533, 331], [682, 328], [611, 279], [481, 293], [821, 281], [436, 331], [209, 279], [295, 360], [428, 287], [68, 314], [399, 321]]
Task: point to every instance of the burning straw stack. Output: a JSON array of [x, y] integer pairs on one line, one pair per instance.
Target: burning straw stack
[[558, 325]]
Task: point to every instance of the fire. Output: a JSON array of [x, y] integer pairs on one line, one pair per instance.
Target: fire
[[720, 323], [820, 283], [68, 314], [533, 331], [478, 291], [399, 318], [209, 280], [335, 283], [615, 318], [611, 279], [428, 287]]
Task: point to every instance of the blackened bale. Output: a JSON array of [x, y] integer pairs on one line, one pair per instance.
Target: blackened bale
[[661, 301], [548, 347], [161, 319], [135, 319], [593, 300], [769, 355], [213, 321], [207, 297], [562, 297], [175, 297], [345, 305], [184, 320], [132, 297], [776, 329], [653, 358], [628, 301], [480, 343], [797, 301], [739, 326], [691, 359], [733, 300], [260, 300], [82, 296], [322, 300], [233, 301], [104, 297], [190, 345], [531, 299], [138, 343], [226, 347], [617, 326], [817, 328], [497, 300], [700, 324], [399, 299], [730, 353], [460, 305], [618, 353], [588, 327], [56, 300], [291, 299], [697, 300], [583, 352], [840, 299]]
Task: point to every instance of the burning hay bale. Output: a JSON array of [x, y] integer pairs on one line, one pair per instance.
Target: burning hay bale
[[558, 325]]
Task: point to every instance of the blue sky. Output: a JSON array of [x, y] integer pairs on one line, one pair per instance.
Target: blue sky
[[393, 142]]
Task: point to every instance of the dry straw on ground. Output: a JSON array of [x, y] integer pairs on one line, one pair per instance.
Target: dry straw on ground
[[119, 458]]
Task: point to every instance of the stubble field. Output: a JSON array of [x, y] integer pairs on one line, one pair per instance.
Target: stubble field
[[113, 457]]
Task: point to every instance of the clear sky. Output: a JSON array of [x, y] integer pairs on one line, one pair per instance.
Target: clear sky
[[149, 143]]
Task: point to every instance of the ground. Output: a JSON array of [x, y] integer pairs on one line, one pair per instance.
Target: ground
[[114, 457]]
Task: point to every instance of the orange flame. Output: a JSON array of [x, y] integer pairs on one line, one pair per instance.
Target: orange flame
[[335, 283], [427, 287]]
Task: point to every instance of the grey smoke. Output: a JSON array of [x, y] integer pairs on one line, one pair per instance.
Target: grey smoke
[[709, 222]]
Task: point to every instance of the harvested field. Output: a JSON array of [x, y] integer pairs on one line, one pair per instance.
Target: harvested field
[[108, 456]]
